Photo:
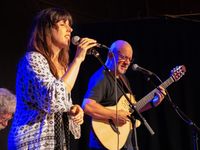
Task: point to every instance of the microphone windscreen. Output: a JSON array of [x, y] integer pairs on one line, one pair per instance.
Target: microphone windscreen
[[135, 66], [75, 40]]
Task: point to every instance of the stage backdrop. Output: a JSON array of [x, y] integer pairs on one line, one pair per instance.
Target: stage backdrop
[[160, 44]]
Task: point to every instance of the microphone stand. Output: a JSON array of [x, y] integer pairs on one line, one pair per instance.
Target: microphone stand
[[134, 135], [185, 118], [96, 54]]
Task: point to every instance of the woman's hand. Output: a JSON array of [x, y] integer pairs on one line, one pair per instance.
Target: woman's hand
[[77, 114], [84, 45], [71, 74]]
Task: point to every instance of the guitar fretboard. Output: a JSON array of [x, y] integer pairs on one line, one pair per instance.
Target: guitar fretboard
[[141, 103]]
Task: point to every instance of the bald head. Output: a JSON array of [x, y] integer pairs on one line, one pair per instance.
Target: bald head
[[122, 46], [119, 57]]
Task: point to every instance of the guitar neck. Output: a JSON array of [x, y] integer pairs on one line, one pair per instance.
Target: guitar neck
[[141, 103]]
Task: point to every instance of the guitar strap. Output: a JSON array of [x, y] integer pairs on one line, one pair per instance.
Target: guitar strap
[[126, 83]]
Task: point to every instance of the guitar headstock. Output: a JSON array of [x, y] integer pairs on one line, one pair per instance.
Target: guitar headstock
[[178, 72]]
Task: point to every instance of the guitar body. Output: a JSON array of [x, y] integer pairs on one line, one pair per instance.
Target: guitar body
[[105, 133]]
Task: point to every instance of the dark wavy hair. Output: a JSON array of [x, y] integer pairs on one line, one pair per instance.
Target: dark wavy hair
[[40, 39]]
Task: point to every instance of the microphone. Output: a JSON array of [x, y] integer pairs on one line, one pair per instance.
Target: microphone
[[76, 40], [135, 67]]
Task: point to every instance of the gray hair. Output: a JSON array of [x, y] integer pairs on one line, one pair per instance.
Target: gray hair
[[7, 101]]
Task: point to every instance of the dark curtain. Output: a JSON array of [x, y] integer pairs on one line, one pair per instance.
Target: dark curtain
[[160, 44]]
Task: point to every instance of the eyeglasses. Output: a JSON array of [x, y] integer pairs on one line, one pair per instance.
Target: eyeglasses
[[125, 58]]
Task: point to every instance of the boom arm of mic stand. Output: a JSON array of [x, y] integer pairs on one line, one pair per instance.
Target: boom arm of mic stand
[[184, 117], [179, 112], [96, 54]]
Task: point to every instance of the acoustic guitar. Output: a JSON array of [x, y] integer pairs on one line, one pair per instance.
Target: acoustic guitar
[[112, 136]]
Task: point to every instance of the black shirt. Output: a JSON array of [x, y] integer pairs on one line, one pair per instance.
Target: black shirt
[[102, 89]]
